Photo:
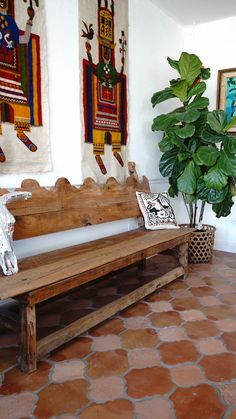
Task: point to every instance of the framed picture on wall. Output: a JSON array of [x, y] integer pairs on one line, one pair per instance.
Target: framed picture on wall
[[226, 92]]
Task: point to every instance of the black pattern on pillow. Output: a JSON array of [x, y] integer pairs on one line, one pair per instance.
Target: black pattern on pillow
[[157, 210]]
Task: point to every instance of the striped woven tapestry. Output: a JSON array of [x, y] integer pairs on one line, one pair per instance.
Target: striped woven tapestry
[[103, 70], [24, 137]]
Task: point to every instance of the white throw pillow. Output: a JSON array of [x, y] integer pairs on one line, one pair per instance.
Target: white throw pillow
[[157, 211]]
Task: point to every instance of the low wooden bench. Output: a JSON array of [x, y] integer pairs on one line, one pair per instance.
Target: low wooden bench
[[51, 274]]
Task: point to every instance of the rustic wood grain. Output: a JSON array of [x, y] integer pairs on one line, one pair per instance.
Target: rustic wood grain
[[90, 264], [28, 338], [65, 207]]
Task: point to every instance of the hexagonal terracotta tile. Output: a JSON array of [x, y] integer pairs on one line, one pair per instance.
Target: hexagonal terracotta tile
[[17, 406], [203, 291], [230, 340], [154, 408], [168, 318], [162, 295], [220, 367], [211, 346], [187, 375], [142, 358], [107, 388], [138, 309], [202, 401], [228, 392], [141, 338], [111, 410], [58, 399], [201, 329], [109, 327], [218, 312], [178, 352], [16, 381], [185, 303], [148, 382], [228, 298], [77, 348], [102, 364]]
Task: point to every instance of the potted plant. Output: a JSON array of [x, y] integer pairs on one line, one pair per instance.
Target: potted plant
[[199, 155]]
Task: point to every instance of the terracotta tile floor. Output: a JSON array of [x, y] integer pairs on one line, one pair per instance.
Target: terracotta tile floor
[[172, 355]]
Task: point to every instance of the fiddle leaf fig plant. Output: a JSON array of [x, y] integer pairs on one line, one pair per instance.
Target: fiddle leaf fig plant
[[199, 154]]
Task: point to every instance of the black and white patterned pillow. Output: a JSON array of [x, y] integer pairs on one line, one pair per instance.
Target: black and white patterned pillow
[[157, 211]]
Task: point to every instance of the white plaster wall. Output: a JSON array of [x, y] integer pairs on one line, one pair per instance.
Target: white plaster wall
[[152, 37]]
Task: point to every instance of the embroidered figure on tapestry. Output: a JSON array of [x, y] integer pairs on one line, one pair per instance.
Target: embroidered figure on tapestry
[[104, 87], [20, 76]]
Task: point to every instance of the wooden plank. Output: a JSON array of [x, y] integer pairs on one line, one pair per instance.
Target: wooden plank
[[136, 246], [78, 327], [28, 338]]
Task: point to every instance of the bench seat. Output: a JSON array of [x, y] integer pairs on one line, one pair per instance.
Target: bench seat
[[82, 263]]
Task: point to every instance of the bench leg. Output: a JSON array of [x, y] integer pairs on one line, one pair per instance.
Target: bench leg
[[28, 357], [183, 258]]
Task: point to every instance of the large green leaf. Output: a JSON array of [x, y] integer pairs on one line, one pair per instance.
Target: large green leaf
[[231, 124], [215, 178], [211, 196], [217, 120], [227, 163], [187, 182], [173, 63], [191, 115], [201, 123], [161, 96], [183, 156], [224, 208], [210, 136], [180, 90], [162, 122], [189, 67], [192, 145], [208, 155], [165, 144], [176, 140], [198, 103], [205, 73], [167, 162], [230, 144], [198, 89], [202, 190], [216, 197], [186, 132]]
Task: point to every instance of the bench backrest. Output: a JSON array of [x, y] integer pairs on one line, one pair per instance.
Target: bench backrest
[[64, 207]]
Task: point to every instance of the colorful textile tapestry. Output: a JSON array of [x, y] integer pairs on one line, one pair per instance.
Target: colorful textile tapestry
[[24, 139], [103, 47]]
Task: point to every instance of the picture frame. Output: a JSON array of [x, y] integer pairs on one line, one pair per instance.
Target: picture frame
[[226, 92]]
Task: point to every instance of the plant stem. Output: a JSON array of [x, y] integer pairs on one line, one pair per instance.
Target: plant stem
[[191, 214], [195, 214], [201, 212], [187, 208]]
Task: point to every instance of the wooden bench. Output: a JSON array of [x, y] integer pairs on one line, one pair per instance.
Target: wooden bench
[[51, 274]]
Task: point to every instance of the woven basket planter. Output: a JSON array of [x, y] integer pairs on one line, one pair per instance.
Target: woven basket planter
[[201, 244]]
